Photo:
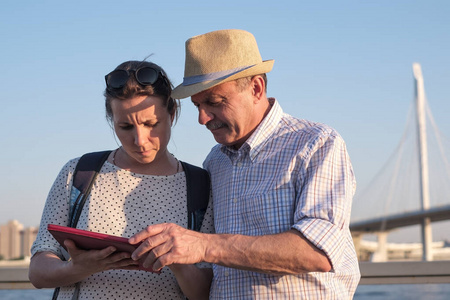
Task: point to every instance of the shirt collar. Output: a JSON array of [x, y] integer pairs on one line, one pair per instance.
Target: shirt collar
[[262, 133]]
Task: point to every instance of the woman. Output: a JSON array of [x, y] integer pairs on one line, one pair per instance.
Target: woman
[[141, 183]]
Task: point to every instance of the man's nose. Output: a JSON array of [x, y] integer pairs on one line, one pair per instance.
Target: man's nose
[[204, 116]]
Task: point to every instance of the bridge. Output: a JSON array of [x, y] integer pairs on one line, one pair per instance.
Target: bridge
[[413, 187], [399, 220]]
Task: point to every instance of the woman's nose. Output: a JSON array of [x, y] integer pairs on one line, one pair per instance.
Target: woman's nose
[[139, 137]]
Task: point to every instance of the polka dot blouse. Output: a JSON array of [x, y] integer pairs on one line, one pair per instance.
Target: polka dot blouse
[[121, 203]]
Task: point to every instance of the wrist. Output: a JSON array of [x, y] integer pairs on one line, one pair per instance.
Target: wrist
[[211, 248], [73, 271]]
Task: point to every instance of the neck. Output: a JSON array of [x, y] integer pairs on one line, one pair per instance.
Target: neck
[[164, 165]]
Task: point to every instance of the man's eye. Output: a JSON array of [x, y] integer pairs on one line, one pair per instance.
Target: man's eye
[[214, 103]]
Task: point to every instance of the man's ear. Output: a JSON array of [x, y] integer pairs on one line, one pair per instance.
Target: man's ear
[[258, 87]]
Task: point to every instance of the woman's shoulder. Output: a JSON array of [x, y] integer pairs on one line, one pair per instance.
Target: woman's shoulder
[[89, 159], [71, 164]]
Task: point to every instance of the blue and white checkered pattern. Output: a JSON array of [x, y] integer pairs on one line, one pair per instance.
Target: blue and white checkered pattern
[[290, 173]]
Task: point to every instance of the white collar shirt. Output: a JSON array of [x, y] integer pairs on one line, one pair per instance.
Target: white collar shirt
[[289, 174]]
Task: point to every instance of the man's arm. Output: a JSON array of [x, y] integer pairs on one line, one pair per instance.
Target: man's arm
[[283, 253]]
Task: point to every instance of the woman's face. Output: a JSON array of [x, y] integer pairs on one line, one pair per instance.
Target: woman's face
[[143, 126]]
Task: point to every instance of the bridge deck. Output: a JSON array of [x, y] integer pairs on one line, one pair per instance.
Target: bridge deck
[[401, 220]]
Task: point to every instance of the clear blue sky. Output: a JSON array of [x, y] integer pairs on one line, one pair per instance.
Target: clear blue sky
[[344, 63]]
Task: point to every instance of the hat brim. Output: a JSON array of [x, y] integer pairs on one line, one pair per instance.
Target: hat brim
[[184, 91]]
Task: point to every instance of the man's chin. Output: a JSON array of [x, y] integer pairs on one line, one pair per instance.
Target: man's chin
[[224, 141], [221, 139]]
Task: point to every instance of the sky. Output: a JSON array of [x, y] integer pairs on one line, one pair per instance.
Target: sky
[[344, 63]]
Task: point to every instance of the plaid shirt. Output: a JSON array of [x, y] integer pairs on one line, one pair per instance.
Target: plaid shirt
[[290, 173]]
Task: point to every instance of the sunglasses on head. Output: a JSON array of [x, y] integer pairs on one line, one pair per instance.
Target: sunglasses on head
[[145, 76]]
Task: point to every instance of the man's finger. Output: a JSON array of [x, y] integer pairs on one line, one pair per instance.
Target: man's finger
[[148, 245], [154, 255], [149, 231], [164, 260]]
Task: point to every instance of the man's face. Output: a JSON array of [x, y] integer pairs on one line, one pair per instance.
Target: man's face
[[227, 112]]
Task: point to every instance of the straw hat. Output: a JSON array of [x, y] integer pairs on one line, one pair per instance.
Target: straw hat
[[217, 57]]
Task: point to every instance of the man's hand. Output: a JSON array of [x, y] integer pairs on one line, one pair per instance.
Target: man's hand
[[168, 244]]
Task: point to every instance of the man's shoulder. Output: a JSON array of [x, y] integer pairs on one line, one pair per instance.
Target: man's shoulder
[[305, 127], [215, 150], [304, 137], [212, 155]]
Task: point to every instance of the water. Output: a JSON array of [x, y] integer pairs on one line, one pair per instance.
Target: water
[[44, 294], [403, 292], [363, 292]]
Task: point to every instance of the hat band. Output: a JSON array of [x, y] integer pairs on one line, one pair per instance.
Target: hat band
[[212, 76]]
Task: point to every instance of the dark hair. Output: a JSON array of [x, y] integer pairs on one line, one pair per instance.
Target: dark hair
[[162, 88]]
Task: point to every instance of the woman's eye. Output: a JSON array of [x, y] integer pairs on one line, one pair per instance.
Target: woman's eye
[[126, 127]]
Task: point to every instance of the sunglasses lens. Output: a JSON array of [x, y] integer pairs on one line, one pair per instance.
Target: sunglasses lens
[[147, 76], [117, 79]]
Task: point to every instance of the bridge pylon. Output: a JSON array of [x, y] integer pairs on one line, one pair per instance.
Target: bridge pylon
[[423, 161]]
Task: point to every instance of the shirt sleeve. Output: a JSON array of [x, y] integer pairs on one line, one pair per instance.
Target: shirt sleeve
[[56, 210], [326, 184]]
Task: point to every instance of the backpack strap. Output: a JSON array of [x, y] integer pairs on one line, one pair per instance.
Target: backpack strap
[[84, 177], [198, 188]]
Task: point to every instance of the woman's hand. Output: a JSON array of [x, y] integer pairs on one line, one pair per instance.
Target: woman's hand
[[93, 261], [47, 270]]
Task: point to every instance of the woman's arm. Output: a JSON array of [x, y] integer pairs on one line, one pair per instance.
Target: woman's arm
[[47, 270], [194, 282]]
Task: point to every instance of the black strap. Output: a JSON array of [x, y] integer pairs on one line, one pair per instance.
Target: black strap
[[198, 188], [84, 177]]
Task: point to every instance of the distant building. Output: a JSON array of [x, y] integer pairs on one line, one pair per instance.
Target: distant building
[[29, 235], [10, 240], [15, 240]]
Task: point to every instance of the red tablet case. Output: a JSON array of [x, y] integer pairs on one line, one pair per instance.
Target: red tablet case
[[89, 240]]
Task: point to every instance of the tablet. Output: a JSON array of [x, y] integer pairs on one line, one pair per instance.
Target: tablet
[[88, 240]]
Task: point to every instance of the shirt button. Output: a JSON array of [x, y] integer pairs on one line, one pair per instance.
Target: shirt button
[[239, 164], [227, 273], [235, 200]]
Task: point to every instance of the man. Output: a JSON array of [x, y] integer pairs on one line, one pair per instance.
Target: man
[[282, 187]]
